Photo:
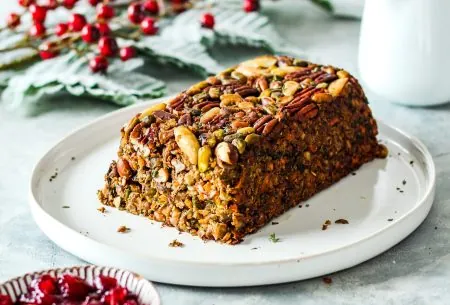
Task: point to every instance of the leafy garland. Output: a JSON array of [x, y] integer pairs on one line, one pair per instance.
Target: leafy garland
[[182, 40]]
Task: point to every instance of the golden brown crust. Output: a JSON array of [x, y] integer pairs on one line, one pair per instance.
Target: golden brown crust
[[230, 153]]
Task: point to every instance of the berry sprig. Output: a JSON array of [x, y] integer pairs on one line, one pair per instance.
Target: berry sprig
[[98, 39]]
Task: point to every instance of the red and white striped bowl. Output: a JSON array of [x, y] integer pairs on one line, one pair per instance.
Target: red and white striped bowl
[[135, 283]]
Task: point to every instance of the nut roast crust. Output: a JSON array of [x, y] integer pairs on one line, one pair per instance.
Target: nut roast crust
[[224, 157]]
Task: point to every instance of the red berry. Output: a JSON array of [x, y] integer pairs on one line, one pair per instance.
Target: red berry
[[77, 22], [45, 284], [251, 5], [13, 20], [148, 26], [51, 4], [5, 300], [151, 6], [90, 33], [26, 3], [37, 30], [116, 296], [94, 2], [38, 13], [127, 53], [98, 64], [208, 21], [33, 298], [73, 287], [105, 283], [69, 3], [107, 46], [135, 13], [105, 12], [130, 302], [61, 29], [103, 28]]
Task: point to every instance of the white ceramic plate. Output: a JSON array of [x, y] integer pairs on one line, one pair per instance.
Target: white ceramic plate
[[139, 286], [379, 216]]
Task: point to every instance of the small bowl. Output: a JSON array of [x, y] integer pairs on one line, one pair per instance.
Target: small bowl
[[143, 289]]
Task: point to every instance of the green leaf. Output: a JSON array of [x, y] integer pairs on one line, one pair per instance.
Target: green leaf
[[71, 74], [180, 53], [233, 26], [324, 4]]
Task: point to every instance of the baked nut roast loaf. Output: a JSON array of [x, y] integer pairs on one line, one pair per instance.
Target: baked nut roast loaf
[[224, 157]]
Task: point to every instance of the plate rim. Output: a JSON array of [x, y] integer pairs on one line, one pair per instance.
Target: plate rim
[[427, 195]]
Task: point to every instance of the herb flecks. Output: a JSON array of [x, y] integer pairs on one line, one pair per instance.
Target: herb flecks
[[274, 223], [273, 238], [66, 207]]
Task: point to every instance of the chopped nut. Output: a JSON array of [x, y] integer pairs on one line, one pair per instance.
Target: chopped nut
[[187, 142], [245, 105], [214, 92], [341, 221], [240, 145], [162, 175], [327, 280], [123, 229], [230, 99], [102, 210], [262, 61], [342, 74], [123, 168], [152, 109], [226, 153], [176, 244], [322, 97], [335, 88], [290, 87], [210, 115], [326, 224], [245, 131], [252, 138], [197, 88]]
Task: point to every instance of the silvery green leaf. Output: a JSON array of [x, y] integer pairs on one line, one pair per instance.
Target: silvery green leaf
[[233, 26], [342, 8], [181, 53], [71, 74]]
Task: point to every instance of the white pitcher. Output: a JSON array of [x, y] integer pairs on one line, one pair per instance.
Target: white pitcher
[[404, 51]]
